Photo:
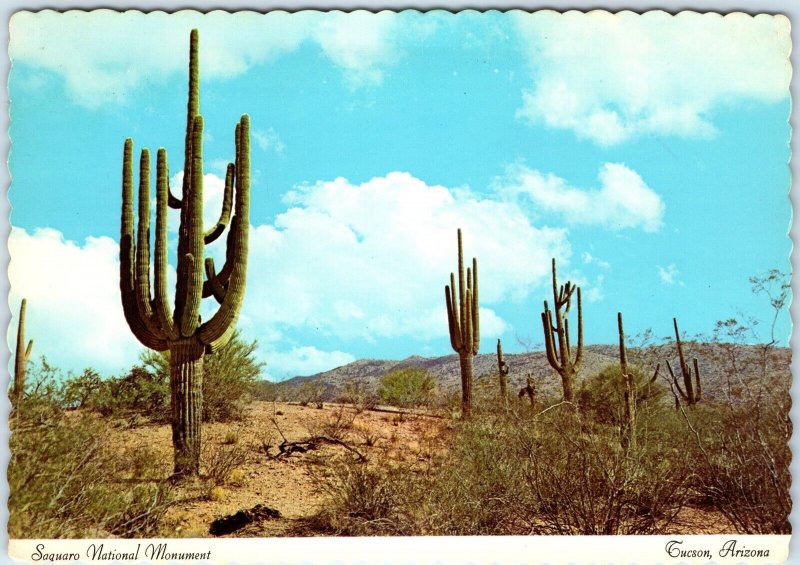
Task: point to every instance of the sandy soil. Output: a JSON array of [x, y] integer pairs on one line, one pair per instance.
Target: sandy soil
[[292, 484]]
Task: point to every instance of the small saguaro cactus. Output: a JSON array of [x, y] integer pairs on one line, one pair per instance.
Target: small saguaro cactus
[[529, 390], [21, 357], [556, 337], [464, 323], [502, 371], [627, 437], [691, 393], [182, 332]]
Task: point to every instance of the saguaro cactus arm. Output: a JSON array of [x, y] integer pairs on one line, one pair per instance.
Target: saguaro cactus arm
[[142, 330], [161, 303], [217, 331], [212, 234]]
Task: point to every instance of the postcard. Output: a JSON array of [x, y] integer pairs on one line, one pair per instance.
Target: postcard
[[483, 286]]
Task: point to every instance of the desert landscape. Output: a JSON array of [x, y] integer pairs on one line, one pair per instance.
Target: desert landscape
[[236, 349]]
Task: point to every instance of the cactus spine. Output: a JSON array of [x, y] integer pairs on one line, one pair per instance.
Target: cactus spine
[[502, 371], [464, 323], [556, 338], [627, 436], [691, 393], [182, 332], [21, 357]]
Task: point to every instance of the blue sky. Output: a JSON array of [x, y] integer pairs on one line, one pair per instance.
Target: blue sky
[[653, 168]]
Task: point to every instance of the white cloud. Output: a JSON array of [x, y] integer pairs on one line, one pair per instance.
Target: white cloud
[[359, 43], [74, 312], [669, 274], [103, 55], [304, 361], [623, 200], [370, 261], [612, 77]]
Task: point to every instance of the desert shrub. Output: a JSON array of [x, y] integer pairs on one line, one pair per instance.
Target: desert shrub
[[140, 391], [602, 396], [267, 390], [230, 378], [66, 482], [80, 390], [220, 461], [406, 387], [475, 490], [367, 500], [358, 394], [742, 456], [311, 392], [517, 474], [585, 483]]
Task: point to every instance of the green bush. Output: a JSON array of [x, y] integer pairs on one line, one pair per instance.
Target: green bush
[[602, 396], [406, 387], [230, 378]]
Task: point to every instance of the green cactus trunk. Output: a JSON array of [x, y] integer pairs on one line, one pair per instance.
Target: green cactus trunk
[[627, 437], [466, 384], [186, 388], [181, 331], [21, 358]]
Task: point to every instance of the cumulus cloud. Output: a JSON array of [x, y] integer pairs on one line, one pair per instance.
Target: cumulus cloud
[[369, 261], [304, 360], [609, 78], [122, 51], [74, 310], [623, 201]]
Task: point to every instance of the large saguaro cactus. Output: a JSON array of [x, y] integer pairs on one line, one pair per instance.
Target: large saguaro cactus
[[691, 393], [181, 331], [627, 436], [556, 337], [464, 323], [21, 357]]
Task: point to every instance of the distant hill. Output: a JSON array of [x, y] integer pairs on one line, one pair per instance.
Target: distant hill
[[713, 359]]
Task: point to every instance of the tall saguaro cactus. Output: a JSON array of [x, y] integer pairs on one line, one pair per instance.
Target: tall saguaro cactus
[[181, 331], [556, 337], [464, 323], [502, 371], [21, 357], [691, 393], [627, 435]]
